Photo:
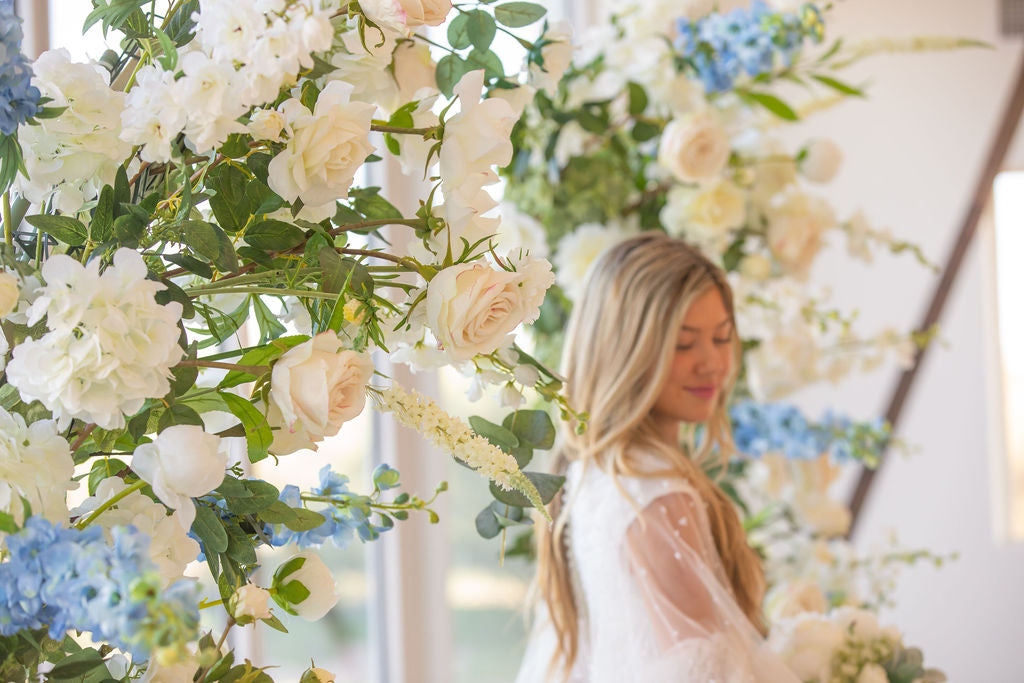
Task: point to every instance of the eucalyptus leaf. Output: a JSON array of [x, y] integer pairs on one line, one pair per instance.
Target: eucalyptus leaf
[[208, 527], [547, 485], [516, 14]]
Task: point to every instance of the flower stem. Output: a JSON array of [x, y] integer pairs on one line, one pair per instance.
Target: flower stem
[[81, 524], [405, 131], [220, 644], [8, 228], [256, 370], [82, 436], [231, 289]]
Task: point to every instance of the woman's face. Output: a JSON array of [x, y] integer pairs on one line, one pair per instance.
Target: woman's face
[[702, 362]]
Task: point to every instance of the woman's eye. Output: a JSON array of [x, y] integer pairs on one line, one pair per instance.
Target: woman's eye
[[684, 347], [722, 342]]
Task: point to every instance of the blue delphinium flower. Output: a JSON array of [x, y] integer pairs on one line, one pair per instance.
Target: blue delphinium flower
[[65, 579], [19, 99], [719, 47]]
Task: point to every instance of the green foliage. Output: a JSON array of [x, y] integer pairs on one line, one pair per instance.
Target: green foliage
[[516, 14]]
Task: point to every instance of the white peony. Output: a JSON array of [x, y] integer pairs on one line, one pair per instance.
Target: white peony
[[316, 387], [472, 307], [695, 148], [704, 215], [71, 157], [9, 291], [249, 602], [477, 138], [429, 12], [154, 113], [579, 249], [315, 586], [327, 147], [170, 547], [821, 161], [557, 56], [182, 463], [110, 345], [796, 226], [35, 464]]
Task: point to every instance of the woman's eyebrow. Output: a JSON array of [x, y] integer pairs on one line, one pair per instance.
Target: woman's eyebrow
[[686, 328]]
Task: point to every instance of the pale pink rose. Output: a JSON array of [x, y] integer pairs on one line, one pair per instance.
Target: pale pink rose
[[694, 148], [429, 12]]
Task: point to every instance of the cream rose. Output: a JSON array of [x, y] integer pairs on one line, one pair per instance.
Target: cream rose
[[304, 586], [429, 12], [182, 463], [873, 673], [414, 69], [694, 148], [755, 267], [796, 225], [808, 647], [266, 124], [821, 162], [472, 307], [8, 293], [718, 208], [315, 388], [327, 147], [476, 138], [557, 56]]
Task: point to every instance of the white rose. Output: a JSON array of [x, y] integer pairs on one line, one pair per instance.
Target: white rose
[[304, 586], [182, 463], [755, 267], [796, 225], [170, 673], [327, 147], [429, 12], [695, 148], [705, 215], [472, 307], [821, 161], [8, 293], [520, 231], [808, 647], [517, 97], [249, 602], [266, 124], [388, 14], [873, 673], [579, 249], [317, 386], [476, 138], [557, 56]]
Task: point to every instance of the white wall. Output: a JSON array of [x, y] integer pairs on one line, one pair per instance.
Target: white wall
[[913, 153]]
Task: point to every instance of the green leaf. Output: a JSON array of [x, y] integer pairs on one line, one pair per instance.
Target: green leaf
[[229, 205], [481, 29], [644, 131], [178, 414], [139, 425], [7, 523], [547, 485], [294, 592], [368, 202], [516, 14], [221, 667], [209, 241], [274, 235], [486, 60], [102, 469], [68, 230], [305, 520], [270, 326], [240, 546], [274, 623], [458, 32], [261, 355], [838, 85], [258, 436], [208, 527], [637, 99], [771, 103], [175, 293], [496, 434], [496, 516], [128, 229], [191, 264], [278, 512], [235, 146], [263, 496], [533, 427], [101, 228], [450, 69], [76, 665], [233, 488], [169, 59]]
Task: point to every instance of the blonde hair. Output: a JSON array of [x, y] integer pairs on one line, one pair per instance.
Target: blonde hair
[[636, 297]]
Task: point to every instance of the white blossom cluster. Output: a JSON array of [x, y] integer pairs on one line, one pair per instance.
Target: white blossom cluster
[[109, 344], [35, 464]]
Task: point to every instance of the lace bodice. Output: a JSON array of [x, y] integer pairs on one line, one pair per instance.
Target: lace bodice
[[650, 590]]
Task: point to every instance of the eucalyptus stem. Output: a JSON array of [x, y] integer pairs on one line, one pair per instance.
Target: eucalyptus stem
[[220, 644], [256, 370], [106, 505]]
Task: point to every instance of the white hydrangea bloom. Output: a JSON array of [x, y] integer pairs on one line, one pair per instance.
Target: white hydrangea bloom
[[35, 464], [577, 250], [71, 157], [154, 113], [110, 346], [170, 548]]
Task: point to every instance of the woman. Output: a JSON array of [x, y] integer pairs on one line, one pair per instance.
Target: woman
[[646, 575]]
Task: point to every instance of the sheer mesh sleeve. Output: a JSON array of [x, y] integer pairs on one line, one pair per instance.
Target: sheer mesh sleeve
[[700, 631]]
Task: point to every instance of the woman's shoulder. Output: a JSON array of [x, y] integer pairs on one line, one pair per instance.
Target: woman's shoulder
[[638, 491]]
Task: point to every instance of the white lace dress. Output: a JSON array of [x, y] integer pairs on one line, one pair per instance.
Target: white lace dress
[[651, 591]]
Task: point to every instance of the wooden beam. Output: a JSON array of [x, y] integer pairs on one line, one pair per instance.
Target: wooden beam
[[969, 226]]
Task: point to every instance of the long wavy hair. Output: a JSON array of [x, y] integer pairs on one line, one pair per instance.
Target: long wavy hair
[[619, 348]]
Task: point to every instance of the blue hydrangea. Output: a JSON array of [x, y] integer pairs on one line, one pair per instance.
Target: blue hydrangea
[[63, 579], [346, 513], [721, 47], [762, 428], [19, 99]]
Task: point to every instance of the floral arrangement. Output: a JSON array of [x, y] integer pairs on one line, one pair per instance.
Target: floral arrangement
[[194, 272]]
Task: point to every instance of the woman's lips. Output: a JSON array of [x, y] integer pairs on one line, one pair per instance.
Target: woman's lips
[[705, 392]]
